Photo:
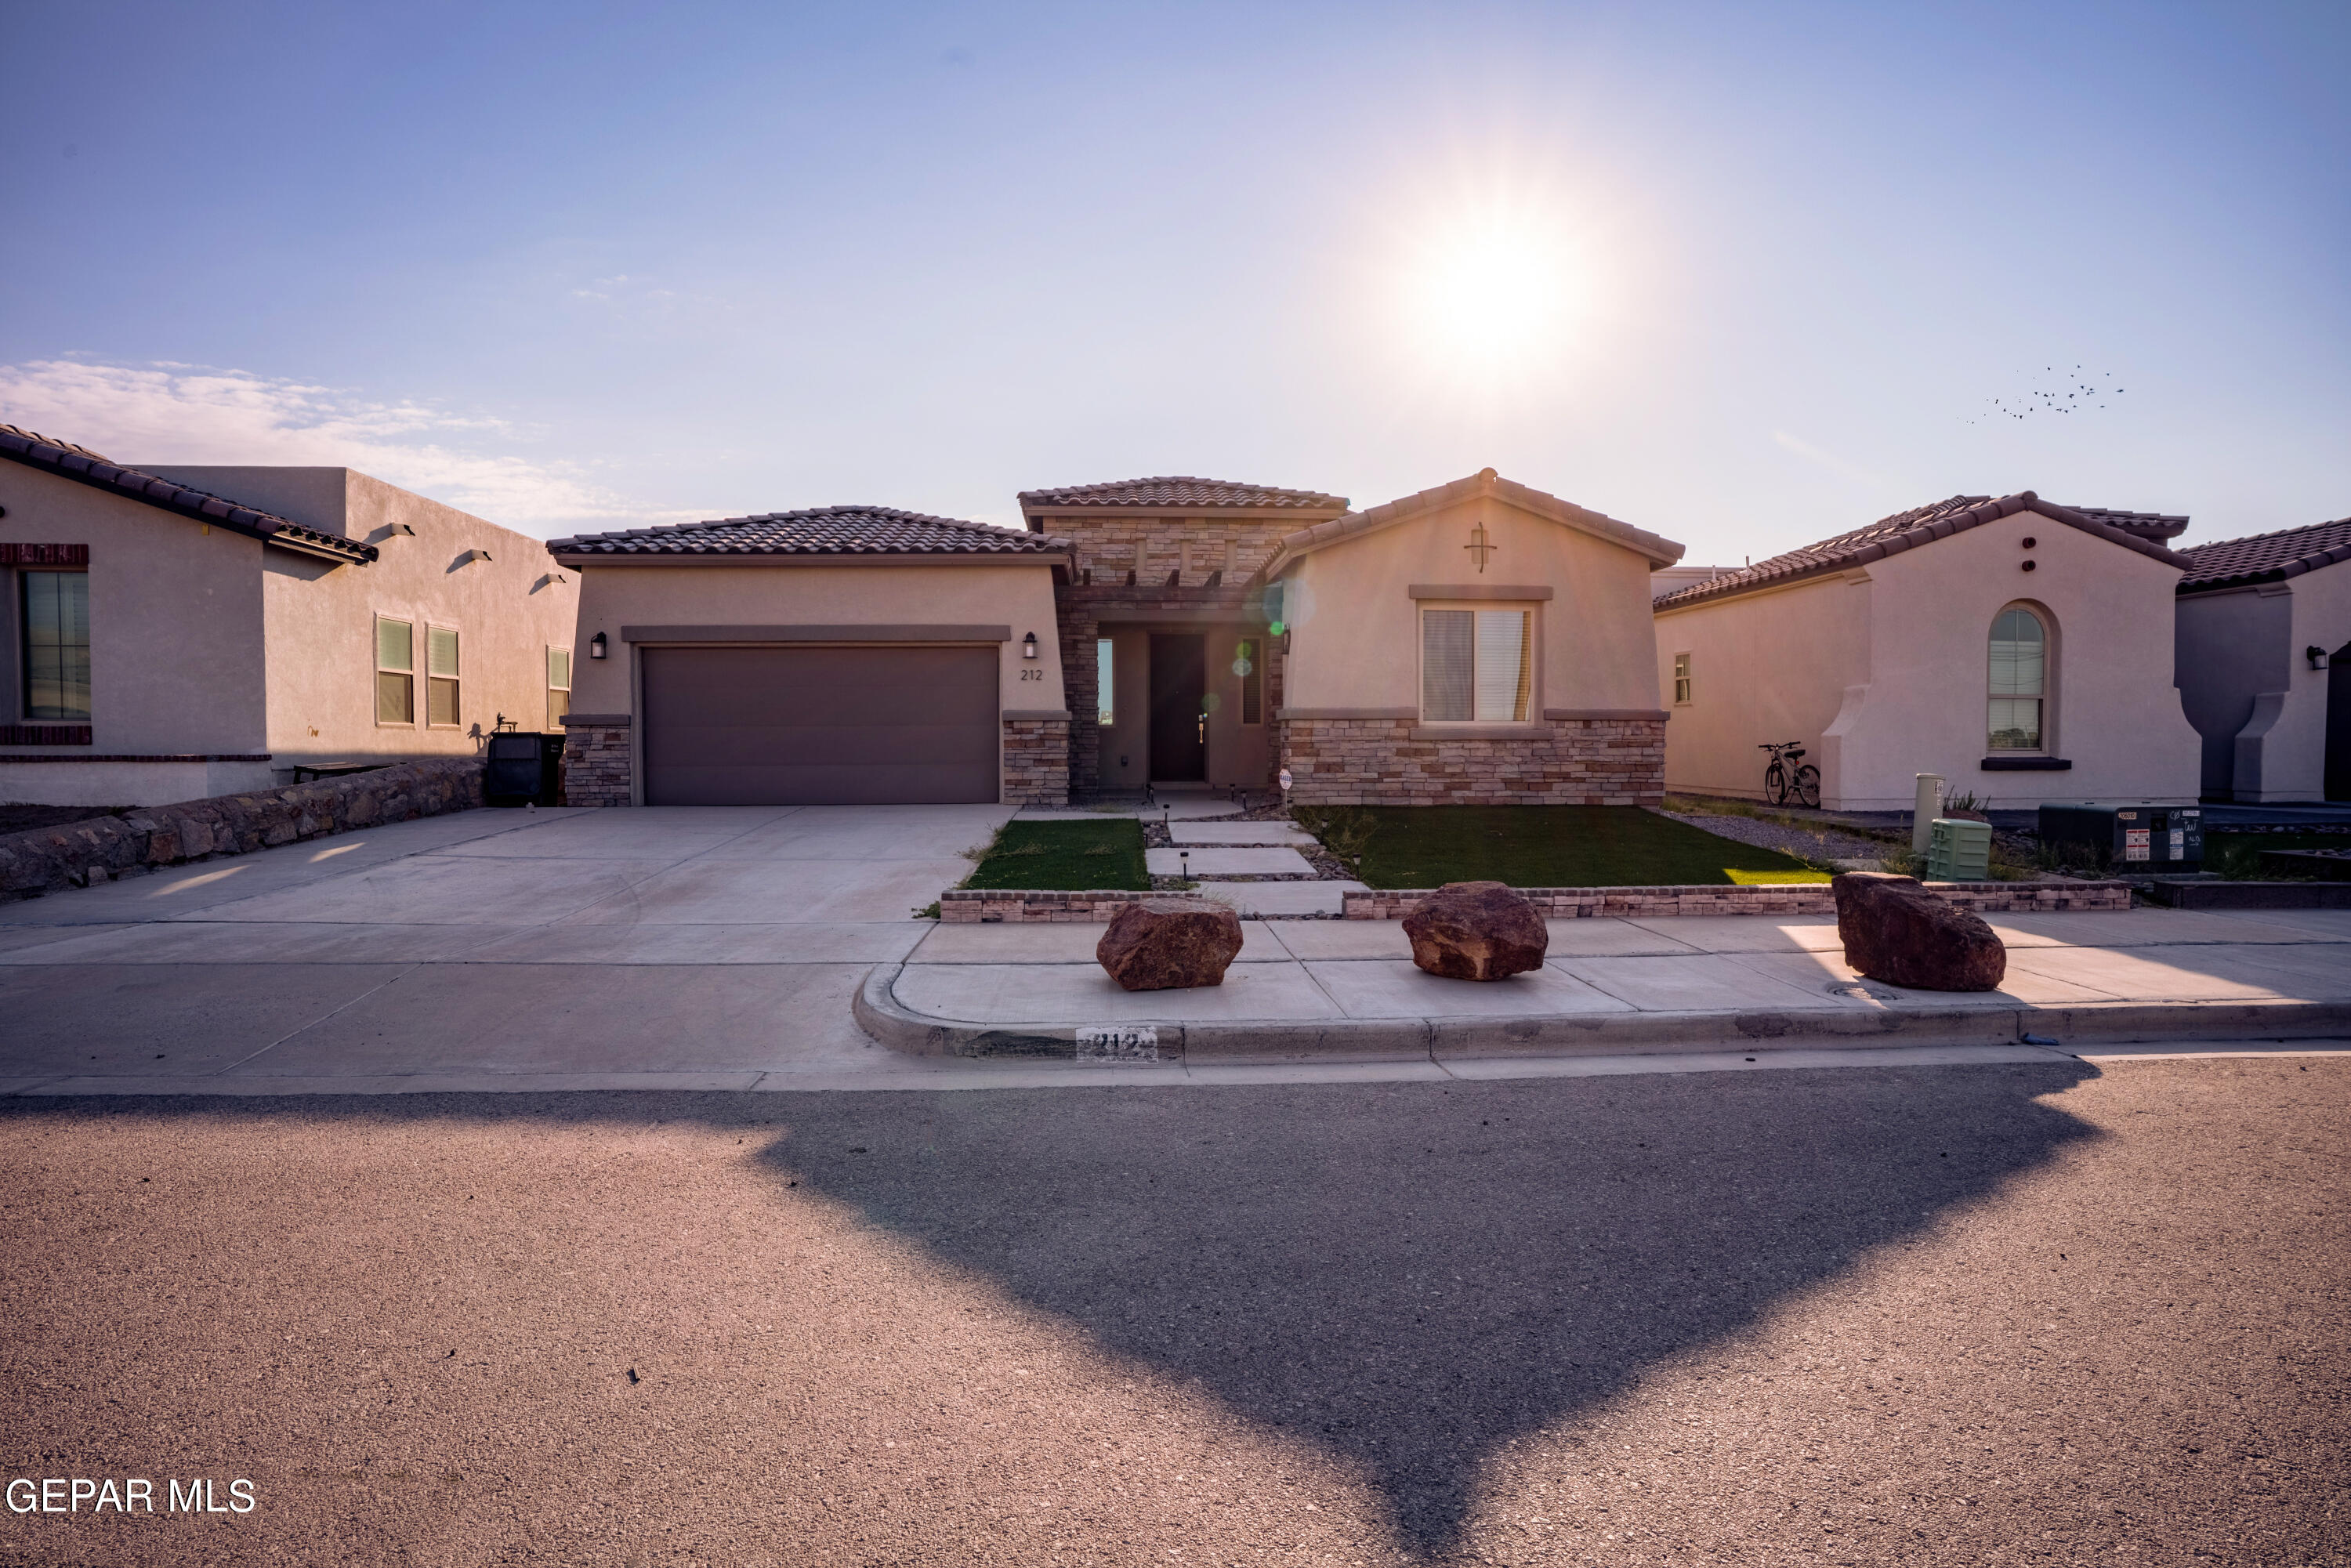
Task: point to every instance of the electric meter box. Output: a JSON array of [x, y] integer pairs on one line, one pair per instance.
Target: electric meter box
[[2130, 835], [1958, 849]]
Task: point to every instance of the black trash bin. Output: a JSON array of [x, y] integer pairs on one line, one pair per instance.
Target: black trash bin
[[522, 768]]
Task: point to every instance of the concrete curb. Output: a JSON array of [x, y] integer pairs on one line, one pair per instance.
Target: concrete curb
[[891, 1022]]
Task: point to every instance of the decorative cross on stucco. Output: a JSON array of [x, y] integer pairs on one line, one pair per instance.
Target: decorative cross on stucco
[[1479, 546]]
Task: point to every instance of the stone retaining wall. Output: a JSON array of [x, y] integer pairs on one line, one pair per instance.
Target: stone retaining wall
[[82, 855], [972, 907], [1566, 762], [1808, 899]]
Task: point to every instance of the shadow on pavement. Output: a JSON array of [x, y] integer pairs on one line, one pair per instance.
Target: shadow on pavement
[[1410, 1276]]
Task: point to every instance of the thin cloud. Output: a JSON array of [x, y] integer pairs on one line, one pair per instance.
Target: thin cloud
[[170, 412], [1837, 465]]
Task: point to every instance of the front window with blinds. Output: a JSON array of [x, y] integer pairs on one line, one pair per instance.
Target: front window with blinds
[[1476, 665], [56, 617], [559, 687], [395, 672], [2020, 680], [440, 675], [1245, 665]]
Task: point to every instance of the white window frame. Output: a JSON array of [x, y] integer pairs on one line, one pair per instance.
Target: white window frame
[[456, 681], [553, 719], [2047, 697], [1683, 684], [1532, 609], [381, 669]]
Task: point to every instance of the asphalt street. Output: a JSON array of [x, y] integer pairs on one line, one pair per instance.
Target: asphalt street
[[2035, 1313]]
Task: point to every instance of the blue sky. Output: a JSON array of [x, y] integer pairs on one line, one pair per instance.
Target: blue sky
[[1744, 275]]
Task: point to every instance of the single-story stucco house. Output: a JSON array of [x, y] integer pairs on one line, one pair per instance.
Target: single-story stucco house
[[162, 642], [2264, 653], [2020, 649], [1478, 642]]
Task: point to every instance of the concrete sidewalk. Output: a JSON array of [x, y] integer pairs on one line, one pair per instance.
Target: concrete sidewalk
[[1347, 990]]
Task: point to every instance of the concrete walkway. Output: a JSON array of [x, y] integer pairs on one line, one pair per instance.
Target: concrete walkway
[[726, 947]]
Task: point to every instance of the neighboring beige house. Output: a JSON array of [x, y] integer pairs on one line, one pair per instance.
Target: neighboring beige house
[[2020, 649], [1480, 642], [2265, 663], [162, 642], [834, 656]]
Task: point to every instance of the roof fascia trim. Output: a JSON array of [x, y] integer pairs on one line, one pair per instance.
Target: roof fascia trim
[[583, 561], [213, 510]]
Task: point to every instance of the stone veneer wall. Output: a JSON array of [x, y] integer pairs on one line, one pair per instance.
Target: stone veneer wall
[[972, 906], [1804, 898], [1570, 762], [86, 854], [597, 769], [1036, 761]]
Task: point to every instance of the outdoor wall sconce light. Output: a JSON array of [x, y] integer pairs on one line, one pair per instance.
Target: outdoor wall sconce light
[[2315, 653], [596, 646], [1028, 646]]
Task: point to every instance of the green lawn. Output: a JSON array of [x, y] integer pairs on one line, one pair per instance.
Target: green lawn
[[1070, 857], [1543, 846]]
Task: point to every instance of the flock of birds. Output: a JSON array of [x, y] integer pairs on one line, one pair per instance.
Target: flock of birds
[[2072, 401]]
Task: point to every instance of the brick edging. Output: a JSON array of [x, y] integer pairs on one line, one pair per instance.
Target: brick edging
[[100, 848], [1027, 906], [1767, 898]]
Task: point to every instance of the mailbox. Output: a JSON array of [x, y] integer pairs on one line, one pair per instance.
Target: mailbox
[[2129, 836], [522, 768]]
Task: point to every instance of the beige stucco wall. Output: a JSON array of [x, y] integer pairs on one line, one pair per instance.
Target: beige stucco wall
[[1355, 641], [175, 615], [2293, 747], [803, 592], [507, 611], [1883, 674], [1767, 667]]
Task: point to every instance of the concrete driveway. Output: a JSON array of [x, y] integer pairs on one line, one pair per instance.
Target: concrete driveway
[[601, 947]]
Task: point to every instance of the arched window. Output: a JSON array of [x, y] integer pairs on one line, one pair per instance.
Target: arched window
[[2020, 682]]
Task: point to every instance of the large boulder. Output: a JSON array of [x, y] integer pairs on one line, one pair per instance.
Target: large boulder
[[1169, 944], [1896, 931], [1476, 931]]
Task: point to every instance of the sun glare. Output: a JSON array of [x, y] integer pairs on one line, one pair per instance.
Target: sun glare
[[1498, 292]]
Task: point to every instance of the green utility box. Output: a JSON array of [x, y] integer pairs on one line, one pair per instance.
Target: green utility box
[[1959, 851]]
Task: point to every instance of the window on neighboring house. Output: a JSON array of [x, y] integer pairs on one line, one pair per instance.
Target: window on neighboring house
[[2020, 680], [559, 687], [395, 672], [1106, 706], [1247, 666], [1476, 665], [1681, 679], [56, 617], [440, 675]]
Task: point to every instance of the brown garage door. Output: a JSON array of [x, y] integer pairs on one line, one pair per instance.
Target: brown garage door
[[819, 727]]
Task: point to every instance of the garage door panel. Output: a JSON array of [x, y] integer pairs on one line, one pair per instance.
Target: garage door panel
[[819, 725]]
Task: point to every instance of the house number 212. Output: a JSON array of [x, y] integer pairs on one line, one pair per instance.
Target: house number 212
[[1032, 674]]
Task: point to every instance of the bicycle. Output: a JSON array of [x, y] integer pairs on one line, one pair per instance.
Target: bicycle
[[1776, 787]]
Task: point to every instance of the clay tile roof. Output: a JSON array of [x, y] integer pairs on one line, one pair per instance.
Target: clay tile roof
[[2267, 557], [1908, 531], [1176, 490], [2155, 526], [84, 466], [816, 530]]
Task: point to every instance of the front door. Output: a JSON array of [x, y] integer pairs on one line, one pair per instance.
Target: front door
[[1179, 683]]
